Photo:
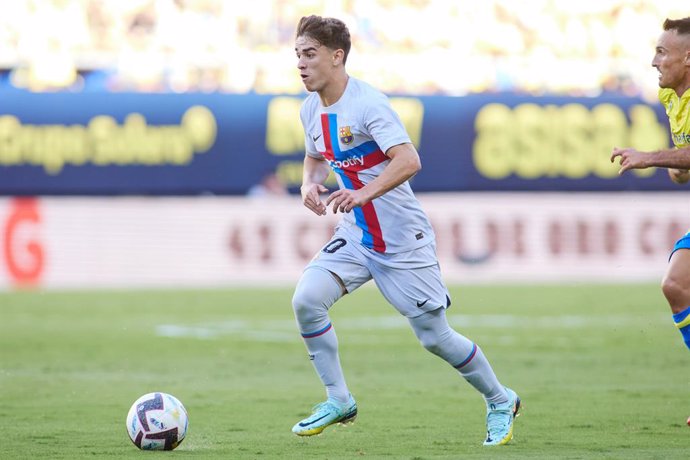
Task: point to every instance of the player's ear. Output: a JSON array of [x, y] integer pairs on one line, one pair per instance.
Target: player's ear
[[338, 57]]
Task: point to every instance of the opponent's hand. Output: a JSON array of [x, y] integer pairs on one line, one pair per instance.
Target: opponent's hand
[[679, 176], [629, 159], [311, 197], [344, 200]]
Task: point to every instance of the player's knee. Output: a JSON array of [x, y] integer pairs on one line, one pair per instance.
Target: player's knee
[[314, 295], [307, 306], [432, 340], [432, 331], [431, 344], [677, 293]]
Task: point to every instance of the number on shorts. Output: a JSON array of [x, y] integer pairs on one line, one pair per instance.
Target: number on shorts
[[334, 245]]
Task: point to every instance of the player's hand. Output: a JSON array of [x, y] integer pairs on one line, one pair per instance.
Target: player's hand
[[311, 197], [344, 200], [629, 159], [679, 176]]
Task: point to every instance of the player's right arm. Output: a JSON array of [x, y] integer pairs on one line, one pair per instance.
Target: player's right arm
[[674, 159], [314, 174]]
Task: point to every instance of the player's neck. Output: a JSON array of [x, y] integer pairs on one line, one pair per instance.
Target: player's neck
[[682, 89], [334, 90]]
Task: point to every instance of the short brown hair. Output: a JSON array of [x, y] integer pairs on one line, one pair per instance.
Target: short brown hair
[[681, 26], [329, 32]]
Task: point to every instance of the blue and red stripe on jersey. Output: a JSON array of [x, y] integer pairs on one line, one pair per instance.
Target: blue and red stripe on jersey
[[370, 155]]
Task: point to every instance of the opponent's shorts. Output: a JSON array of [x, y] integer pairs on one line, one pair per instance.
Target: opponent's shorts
[[683, 243], [410, 281]]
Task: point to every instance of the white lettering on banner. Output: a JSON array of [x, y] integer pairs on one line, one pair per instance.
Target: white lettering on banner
[[217, 241]]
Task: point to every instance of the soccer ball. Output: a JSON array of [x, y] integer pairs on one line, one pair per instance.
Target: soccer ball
[[157, 421]]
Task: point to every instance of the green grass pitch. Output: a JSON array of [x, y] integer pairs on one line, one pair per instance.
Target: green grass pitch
[[601, 370]]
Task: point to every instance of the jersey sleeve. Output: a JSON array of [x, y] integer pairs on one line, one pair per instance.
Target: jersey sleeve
[[383, 123], [309, 145]]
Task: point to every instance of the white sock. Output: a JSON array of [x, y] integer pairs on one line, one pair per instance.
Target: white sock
[[322, 346], [478, 372], [439, 338], [315, 293]]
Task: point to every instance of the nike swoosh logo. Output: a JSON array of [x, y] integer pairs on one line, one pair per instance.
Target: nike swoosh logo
[[421, 304], [315, 138], [313, 421]]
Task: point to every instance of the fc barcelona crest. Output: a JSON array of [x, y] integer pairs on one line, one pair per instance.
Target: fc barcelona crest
[[346, 136]]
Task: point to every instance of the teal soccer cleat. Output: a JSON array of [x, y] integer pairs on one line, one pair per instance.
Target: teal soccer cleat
[[325, 414], [499, 420]]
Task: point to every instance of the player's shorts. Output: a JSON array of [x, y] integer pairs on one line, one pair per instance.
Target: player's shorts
[[683, 243], [410, 281]]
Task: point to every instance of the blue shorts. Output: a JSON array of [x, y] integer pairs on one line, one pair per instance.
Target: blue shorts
[[683, 243]]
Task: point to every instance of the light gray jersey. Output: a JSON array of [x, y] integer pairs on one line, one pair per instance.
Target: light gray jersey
[[353, 135]]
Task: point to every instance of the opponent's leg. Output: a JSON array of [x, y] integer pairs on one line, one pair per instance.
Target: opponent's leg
[[316, 292], [676, 288], [439, 338]]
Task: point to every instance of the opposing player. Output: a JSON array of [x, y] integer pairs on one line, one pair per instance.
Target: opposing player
[[672, 60], [383, 235]]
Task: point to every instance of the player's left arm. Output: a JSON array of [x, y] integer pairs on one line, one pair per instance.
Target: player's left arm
[[404, 164], [679, 176]]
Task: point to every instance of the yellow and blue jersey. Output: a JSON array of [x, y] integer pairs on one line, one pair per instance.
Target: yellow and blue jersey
[[678, 111]]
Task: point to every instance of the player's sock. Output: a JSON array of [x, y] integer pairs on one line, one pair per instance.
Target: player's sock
[[682, 322], [475, 368], [314, 295], [322, 346], [438, 337]]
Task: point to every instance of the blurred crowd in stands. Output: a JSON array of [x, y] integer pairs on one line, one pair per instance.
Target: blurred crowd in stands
[[576, 47]]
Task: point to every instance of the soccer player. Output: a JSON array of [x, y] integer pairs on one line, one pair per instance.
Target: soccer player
[[383, 234], [672, 60]]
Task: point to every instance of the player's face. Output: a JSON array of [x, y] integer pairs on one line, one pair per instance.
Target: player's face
[[672, 60], [315, 63]]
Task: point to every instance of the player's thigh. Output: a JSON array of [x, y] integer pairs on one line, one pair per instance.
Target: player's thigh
[[679, 263], [340, 257], [413, 291], [678, 269]]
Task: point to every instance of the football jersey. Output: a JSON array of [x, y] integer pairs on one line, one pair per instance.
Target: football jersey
[[353, 135], [678, 111]]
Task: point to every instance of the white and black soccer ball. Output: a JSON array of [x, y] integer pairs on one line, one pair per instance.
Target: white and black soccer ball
[[157, 421]]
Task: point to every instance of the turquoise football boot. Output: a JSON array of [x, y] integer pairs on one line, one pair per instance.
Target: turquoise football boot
[[499, 420], [325, 414]]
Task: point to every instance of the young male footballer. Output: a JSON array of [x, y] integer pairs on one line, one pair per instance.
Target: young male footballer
[[672, 60], [383, 234]]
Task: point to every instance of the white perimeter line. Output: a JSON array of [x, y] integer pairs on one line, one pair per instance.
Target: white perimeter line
[[286, 331]]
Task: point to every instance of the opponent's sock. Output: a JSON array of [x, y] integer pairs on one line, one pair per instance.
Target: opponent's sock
[[682, 322]]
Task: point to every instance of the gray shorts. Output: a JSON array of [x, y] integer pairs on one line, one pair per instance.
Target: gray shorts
[[410, 281]]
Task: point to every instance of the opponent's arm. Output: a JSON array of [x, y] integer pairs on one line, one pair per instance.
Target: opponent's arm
[[404, 164], [664, 158], [679, 176], [314, 174]]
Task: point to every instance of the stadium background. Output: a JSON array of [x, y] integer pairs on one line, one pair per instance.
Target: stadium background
[[136, 137]]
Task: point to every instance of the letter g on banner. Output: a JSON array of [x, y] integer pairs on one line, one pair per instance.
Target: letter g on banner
[[24, 257]]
